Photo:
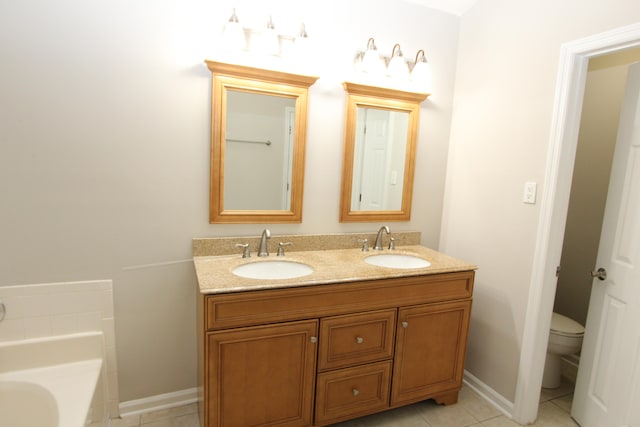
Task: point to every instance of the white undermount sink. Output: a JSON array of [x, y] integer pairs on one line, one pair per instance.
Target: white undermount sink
[[272, 270], [397, 261]]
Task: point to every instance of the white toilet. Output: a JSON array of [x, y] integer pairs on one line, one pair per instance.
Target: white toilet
[[565, 337]]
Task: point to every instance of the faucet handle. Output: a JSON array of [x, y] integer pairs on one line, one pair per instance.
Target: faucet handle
[[365, 244], [281, 246], [246, 251], [392, 243]]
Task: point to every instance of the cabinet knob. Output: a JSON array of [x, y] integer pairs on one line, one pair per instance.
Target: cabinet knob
[[356, 392], [405, 324], [314, 339], [359, 340]]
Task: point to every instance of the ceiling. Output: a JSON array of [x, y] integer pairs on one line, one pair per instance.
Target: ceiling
[[455, 7]]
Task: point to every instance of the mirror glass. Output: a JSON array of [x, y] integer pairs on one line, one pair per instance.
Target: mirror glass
[[379, 153], [258, 129], [258, 151]]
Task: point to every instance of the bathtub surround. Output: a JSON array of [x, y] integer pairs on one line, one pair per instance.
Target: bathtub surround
[[55, 309]]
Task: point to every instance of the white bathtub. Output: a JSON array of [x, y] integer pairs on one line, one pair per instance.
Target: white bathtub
[[49, 382]]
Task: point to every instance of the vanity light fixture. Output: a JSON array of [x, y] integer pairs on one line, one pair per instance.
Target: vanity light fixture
[[264, 40], [397, 67], [233, 33]]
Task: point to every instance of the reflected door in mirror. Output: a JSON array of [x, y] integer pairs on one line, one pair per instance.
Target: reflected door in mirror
[[379, 157]]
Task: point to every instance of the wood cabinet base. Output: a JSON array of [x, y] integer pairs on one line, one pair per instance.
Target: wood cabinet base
[[447, 399], [319, 355]]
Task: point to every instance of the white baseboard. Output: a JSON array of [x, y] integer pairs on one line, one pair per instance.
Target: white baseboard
[[158, 402], [490, 395]]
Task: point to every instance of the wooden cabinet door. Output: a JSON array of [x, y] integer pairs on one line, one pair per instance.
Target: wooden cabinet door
[[430, 350], [261, 376]]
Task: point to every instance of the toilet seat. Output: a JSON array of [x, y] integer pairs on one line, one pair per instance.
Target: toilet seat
[[562, 325]]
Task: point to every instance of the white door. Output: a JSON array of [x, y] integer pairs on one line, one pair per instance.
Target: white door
[[373, 175], [607, 390], [287, 170]]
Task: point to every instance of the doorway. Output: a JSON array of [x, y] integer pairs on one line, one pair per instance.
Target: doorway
[[604, 93], [572, 76]]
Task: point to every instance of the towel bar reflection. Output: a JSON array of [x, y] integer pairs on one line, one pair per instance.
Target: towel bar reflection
[[249, 141]]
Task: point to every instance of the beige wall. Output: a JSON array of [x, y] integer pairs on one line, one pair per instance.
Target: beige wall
[[503, 105], [598, 130], [104, 149]]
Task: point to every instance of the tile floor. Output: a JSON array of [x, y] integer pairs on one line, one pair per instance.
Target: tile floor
[[471, 411]]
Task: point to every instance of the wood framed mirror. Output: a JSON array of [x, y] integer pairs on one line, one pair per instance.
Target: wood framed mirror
[[258, 138], [381, 133]]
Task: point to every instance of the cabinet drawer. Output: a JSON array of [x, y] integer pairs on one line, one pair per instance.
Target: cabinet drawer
[[356, 338], [352, 392]]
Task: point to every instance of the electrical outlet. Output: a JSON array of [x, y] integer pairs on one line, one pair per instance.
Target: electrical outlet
[[529, 195]]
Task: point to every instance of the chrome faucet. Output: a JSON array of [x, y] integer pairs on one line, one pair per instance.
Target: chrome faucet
[[378, 244], [262, 249]]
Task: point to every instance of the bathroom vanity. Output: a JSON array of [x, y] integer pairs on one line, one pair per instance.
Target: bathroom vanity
[[347, 340]]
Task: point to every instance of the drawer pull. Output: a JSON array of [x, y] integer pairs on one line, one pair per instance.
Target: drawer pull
[[359, 340], [356, 392], [405, 324], [314, 339]]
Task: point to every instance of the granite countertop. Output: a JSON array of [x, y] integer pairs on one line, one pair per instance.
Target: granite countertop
[[329, 266]]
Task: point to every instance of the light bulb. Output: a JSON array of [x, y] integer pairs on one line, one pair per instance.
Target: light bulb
[[397, 67], [233, 34], [371, 61], [270, 41], [421, 73], [301, 43]]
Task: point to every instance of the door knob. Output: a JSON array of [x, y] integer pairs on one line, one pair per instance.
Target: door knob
[[600, 273]]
